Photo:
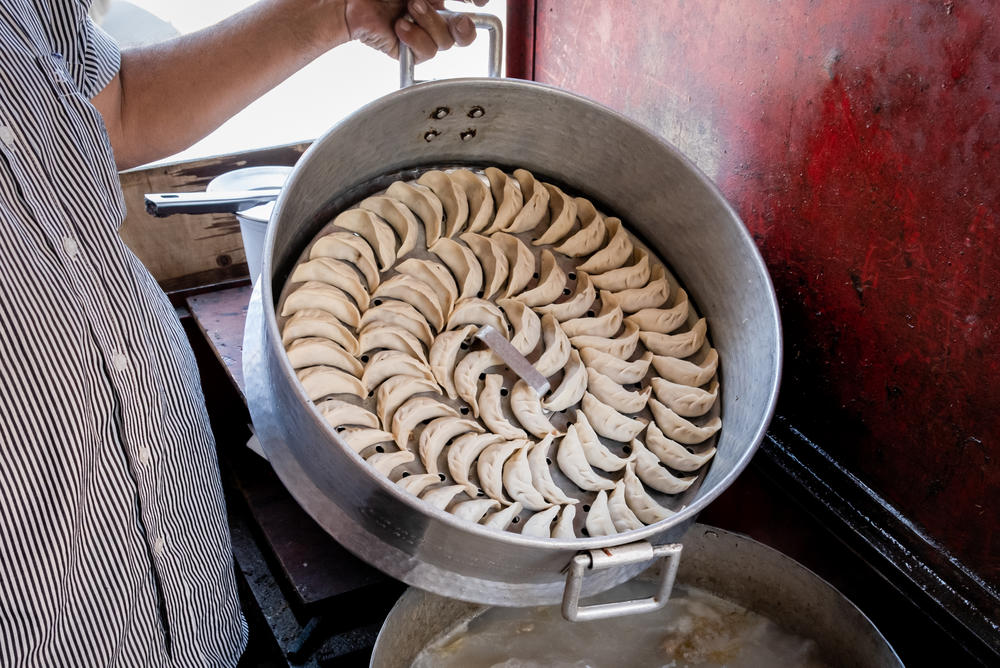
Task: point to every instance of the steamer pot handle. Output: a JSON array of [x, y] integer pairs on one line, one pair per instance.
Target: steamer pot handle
[[621, 555], [487, 22]]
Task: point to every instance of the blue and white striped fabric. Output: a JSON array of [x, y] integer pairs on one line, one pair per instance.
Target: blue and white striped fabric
[[114, 547]]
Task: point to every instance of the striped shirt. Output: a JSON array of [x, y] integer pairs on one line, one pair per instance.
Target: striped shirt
[[114, 546]]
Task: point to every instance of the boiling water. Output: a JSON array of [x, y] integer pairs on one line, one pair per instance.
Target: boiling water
[[695, 628]]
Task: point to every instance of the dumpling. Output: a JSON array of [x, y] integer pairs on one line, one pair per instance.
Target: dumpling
[[520, 262], [649, 470], [616, 369], [374, 230], [571, 389], [401, 314], [491, 409], [612, 256], [539, 525], [621, 347], [316, 351], [385, 462], [608, 422], [621, 515], [492, 260], [663, 320], [623, 278], [360, 439], [480, 200], [453, 199], [350, 248], [605, 324], [321, 296], [440, 497], [462, 453], [578, 304], [517, 480], [479, 312], [463, 263], [599, 522], [414, 411], [551, 282], [332, 272], [387, 364], [527, 326], [423, 202], [683, 400], [415, 484], [467, 373], [474, 510], [502, 518], [557, 347], [676, 345], [418, 294], [390, 337], [597, 453], [320, 381], [562, 216], [679, 429], [436, 435], [639, 502], [526, 406], [399, 217], [313, 322], [393, 392], [536, 204], [506, 196], [653, 295], [444, 353], [563, 527], [338, 413], [490, 468], [573, 463], [614, 395], [686, 372], [435, 275], [673, 454], [541, 477], [590, 237]]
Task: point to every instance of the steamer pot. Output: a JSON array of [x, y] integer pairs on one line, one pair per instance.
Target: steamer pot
[[584, 148], [726, 564]]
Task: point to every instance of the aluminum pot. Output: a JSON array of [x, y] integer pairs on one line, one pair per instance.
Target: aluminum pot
[[584, 148], [726, 564]]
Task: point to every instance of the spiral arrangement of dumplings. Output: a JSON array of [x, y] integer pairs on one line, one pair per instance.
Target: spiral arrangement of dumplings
[[378, 319]]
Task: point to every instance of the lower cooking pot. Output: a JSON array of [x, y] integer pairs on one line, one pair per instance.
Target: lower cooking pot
[[584, 148], [726, 564]]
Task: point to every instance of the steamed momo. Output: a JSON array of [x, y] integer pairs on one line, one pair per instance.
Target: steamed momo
[[379, 317]]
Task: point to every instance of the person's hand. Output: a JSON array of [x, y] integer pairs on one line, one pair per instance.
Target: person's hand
[[420, 24]]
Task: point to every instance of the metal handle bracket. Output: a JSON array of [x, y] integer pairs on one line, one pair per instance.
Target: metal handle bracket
[[487, 22], [621, 555]]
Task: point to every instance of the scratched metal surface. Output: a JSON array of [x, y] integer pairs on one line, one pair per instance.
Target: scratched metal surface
[[858, 141]]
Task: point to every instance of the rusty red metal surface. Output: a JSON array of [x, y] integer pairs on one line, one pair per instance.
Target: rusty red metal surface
[[858, 141]]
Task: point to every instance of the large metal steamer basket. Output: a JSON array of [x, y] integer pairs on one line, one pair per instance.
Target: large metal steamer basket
[[588, 150]]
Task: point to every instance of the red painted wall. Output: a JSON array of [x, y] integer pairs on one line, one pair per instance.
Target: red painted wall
[[859, 142]]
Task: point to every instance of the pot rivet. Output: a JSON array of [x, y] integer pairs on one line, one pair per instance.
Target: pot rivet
[[476, 112], [441, 112], [468, 134], [430, 135]]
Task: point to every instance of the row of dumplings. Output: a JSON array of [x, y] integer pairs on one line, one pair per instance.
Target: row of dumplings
[[418, 322]]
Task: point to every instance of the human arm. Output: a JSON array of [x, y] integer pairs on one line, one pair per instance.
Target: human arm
[[167, 96]]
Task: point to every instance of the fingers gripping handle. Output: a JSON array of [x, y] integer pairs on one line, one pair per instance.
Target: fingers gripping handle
[[487, 22], [621, 555]]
